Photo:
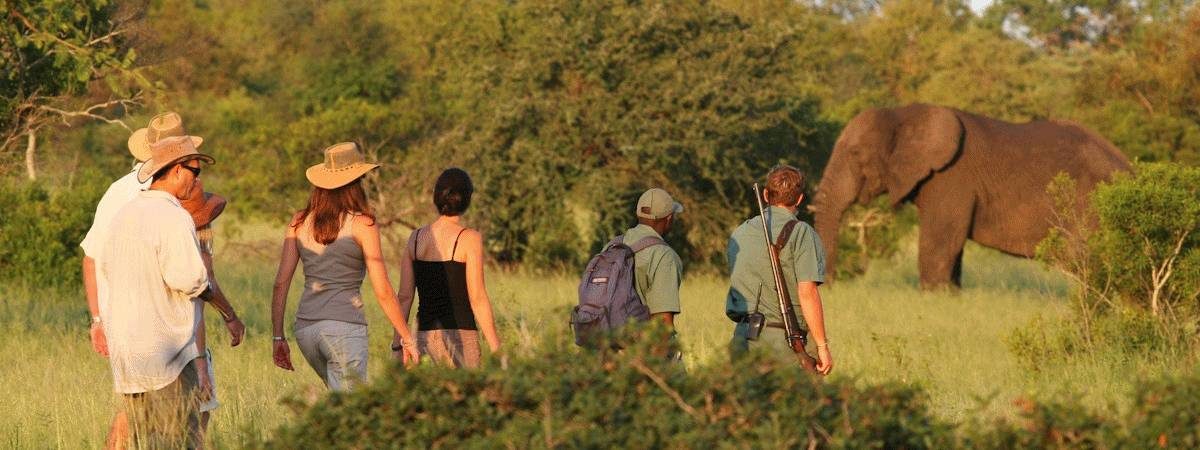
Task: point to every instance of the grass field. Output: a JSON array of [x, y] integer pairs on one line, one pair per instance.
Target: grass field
[[57, 393]]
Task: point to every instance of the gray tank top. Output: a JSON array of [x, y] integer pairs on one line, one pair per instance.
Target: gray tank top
[[333, 275]]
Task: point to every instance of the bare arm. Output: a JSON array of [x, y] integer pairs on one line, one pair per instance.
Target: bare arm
[[99, 340], [814, 315], [201, 361], [481, 305], [89, 285], [218, 301], [289, 257], [367, 235], [408, 285], [666, 317]]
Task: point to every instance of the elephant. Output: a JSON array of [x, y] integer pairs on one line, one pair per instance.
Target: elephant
[[969, 176]]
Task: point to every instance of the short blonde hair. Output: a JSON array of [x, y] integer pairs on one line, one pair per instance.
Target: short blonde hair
[[785, 185]]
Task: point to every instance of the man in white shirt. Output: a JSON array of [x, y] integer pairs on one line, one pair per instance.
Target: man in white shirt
[[154, 279], [119, 193]]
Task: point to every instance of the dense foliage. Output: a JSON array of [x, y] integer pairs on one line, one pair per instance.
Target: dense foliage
[[54, 55], [562, 397], [564, 111], [40, 231], [558, 396], [1134, 259]]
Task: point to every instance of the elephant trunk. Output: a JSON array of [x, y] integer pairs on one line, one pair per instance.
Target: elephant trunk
[[838, 190]]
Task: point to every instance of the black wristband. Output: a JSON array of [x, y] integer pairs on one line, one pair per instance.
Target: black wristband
[[396, 348]]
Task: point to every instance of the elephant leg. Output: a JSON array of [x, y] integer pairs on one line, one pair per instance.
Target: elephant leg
[[944, 230]]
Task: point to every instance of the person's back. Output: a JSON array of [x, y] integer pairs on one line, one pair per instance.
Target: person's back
[[444, 266], [337, 240], [751, 278], [333, 276], [441, 284], [150, 327]]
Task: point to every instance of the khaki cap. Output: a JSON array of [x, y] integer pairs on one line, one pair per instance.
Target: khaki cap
[[656, 204], [168, 151], [164, 125], [343, 164]]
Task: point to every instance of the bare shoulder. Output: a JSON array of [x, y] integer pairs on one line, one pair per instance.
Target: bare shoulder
[[295, 222], [472, 240]]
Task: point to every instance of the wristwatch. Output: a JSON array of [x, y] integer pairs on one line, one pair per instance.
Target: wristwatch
[[95, 320]]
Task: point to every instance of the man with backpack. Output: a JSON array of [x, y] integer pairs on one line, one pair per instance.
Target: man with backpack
[[647, 290], [752, 301]]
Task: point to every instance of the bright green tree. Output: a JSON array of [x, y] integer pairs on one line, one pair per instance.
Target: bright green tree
[[51, 52]]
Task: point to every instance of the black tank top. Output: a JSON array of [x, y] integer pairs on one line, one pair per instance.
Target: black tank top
[[442, 286]]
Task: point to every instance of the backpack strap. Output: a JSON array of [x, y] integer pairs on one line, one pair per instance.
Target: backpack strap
[[646, 242], [785, 234]]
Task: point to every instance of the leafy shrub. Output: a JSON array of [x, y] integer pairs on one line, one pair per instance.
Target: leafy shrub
[[560, 396], [1164, 413], [41, 228], [1136, 250], [871, 232]]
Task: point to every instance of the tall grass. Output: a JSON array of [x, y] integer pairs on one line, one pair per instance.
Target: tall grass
[[57, 393]]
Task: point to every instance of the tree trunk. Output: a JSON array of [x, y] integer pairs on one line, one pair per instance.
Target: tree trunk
[[30, 148]]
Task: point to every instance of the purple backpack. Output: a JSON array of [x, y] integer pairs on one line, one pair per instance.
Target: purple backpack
[[608, 295]]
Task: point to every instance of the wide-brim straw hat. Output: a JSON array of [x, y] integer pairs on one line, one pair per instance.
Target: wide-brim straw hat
[[203, 206], [164, 125], [168, 151], [343, 164]]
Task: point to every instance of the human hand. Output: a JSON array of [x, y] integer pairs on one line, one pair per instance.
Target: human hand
[[237, 330], [411, 356], [203, 382], [99, 340], [283, 355], [825, 364]]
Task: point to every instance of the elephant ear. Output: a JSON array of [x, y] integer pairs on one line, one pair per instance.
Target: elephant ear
[[927, 139]]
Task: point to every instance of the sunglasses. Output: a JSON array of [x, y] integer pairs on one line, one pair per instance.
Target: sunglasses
[[194, 170]]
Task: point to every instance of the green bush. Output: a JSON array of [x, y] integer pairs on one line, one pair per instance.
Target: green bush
[[1135, 252], [1164, 413], [559, 396], [41, 228]]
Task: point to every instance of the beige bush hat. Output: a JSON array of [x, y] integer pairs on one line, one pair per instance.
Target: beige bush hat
[[164, 125], [656, 204], [168, 151], [343, 164]]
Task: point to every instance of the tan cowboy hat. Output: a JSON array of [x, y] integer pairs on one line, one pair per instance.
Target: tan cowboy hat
[[343, 164], [168, 151], [164, 125], [203, 206]]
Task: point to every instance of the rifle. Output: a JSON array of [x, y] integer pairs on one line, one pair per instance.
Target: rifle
[[796, 337]]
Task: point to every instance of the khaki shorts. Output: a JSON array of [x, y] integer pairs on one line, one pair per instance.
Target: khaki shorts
[[167, 417]]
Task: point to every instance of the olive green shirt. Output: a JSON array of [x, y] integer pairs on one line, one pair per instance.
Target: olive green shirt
[[657, 272], [751, 280]]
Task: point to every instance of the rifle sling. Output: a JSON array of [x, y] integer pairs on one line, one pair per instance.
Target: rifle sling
[[784, 235]]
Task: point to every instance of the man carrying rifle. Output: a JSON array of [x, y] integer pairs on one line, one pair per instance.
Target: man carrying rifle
[[753, 300]]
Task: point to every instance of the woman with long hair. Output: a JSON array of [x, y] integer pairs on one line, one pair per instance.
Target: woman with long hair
[[444, 266], [337, 239]]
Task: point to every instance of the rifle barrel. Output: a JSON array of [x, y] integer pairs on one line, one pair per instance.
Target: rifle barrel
[[780, 287]]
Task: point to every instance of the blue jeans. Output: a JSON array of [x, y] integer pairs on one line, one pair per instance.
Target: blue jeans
[[336, 350]]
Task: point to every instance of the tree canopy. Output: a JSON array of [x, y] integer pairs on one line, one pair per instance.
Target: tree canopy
[[564, 111]]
